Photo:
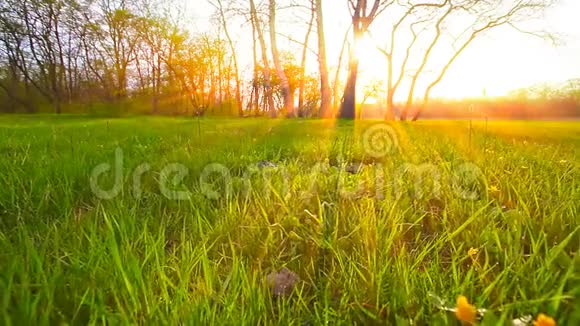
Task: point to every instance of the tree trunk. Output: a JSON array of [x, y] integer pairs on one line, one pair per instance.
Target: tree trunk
[[286, 91], [267, 72], [390, 113], [57, 106], [157, 88], [255, 100], [335, 98], [303, 61], [325, 94], [348, 105], [405, 111], [362, 17]]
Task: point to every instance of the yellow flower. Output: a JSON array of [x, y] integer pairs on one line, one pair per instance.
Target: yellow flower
[[493, 188], [465, 311], [473, 252], [544, 320]]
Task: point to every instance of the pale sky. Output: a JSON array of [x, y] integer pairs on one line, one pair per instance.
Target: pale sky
[[501, 61]]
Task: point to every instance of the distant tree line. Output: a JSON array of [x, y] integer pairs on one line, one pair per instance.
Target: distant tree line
[[140, 56], [544, 101], [62, 54], [136, 55]]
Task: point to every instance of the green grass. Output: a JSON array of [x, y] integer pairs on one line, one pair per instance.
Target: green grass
[[67, 256]]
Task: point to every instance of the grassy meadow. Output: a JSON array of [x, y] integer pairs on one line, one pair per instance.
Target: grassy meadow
[[489, 211]]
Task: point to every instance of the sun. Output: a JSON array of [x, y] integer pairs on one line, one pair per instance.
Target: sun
[[364, 47], [371, 100]]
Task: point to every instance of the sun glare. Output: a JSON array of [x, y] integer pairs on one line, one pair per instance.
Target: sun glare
[[364, 47], [371, 100]]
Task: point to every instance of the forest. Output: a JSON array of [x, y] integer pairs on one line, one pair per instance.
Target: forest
[[118, 57]]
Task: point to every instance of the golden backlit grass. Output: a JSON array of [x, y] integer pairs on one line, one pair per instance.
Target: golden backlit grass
[[68, 256]]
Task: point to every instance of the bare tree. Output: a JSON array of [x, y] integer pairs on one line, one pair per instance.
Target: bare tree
[[122, 38], [430, 24], [284, 84], [325, 95], [219, 6], [362, 17], [489, 16], [255, 94], [302, 81], [409, 12], [335, 92], [267, 73]]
